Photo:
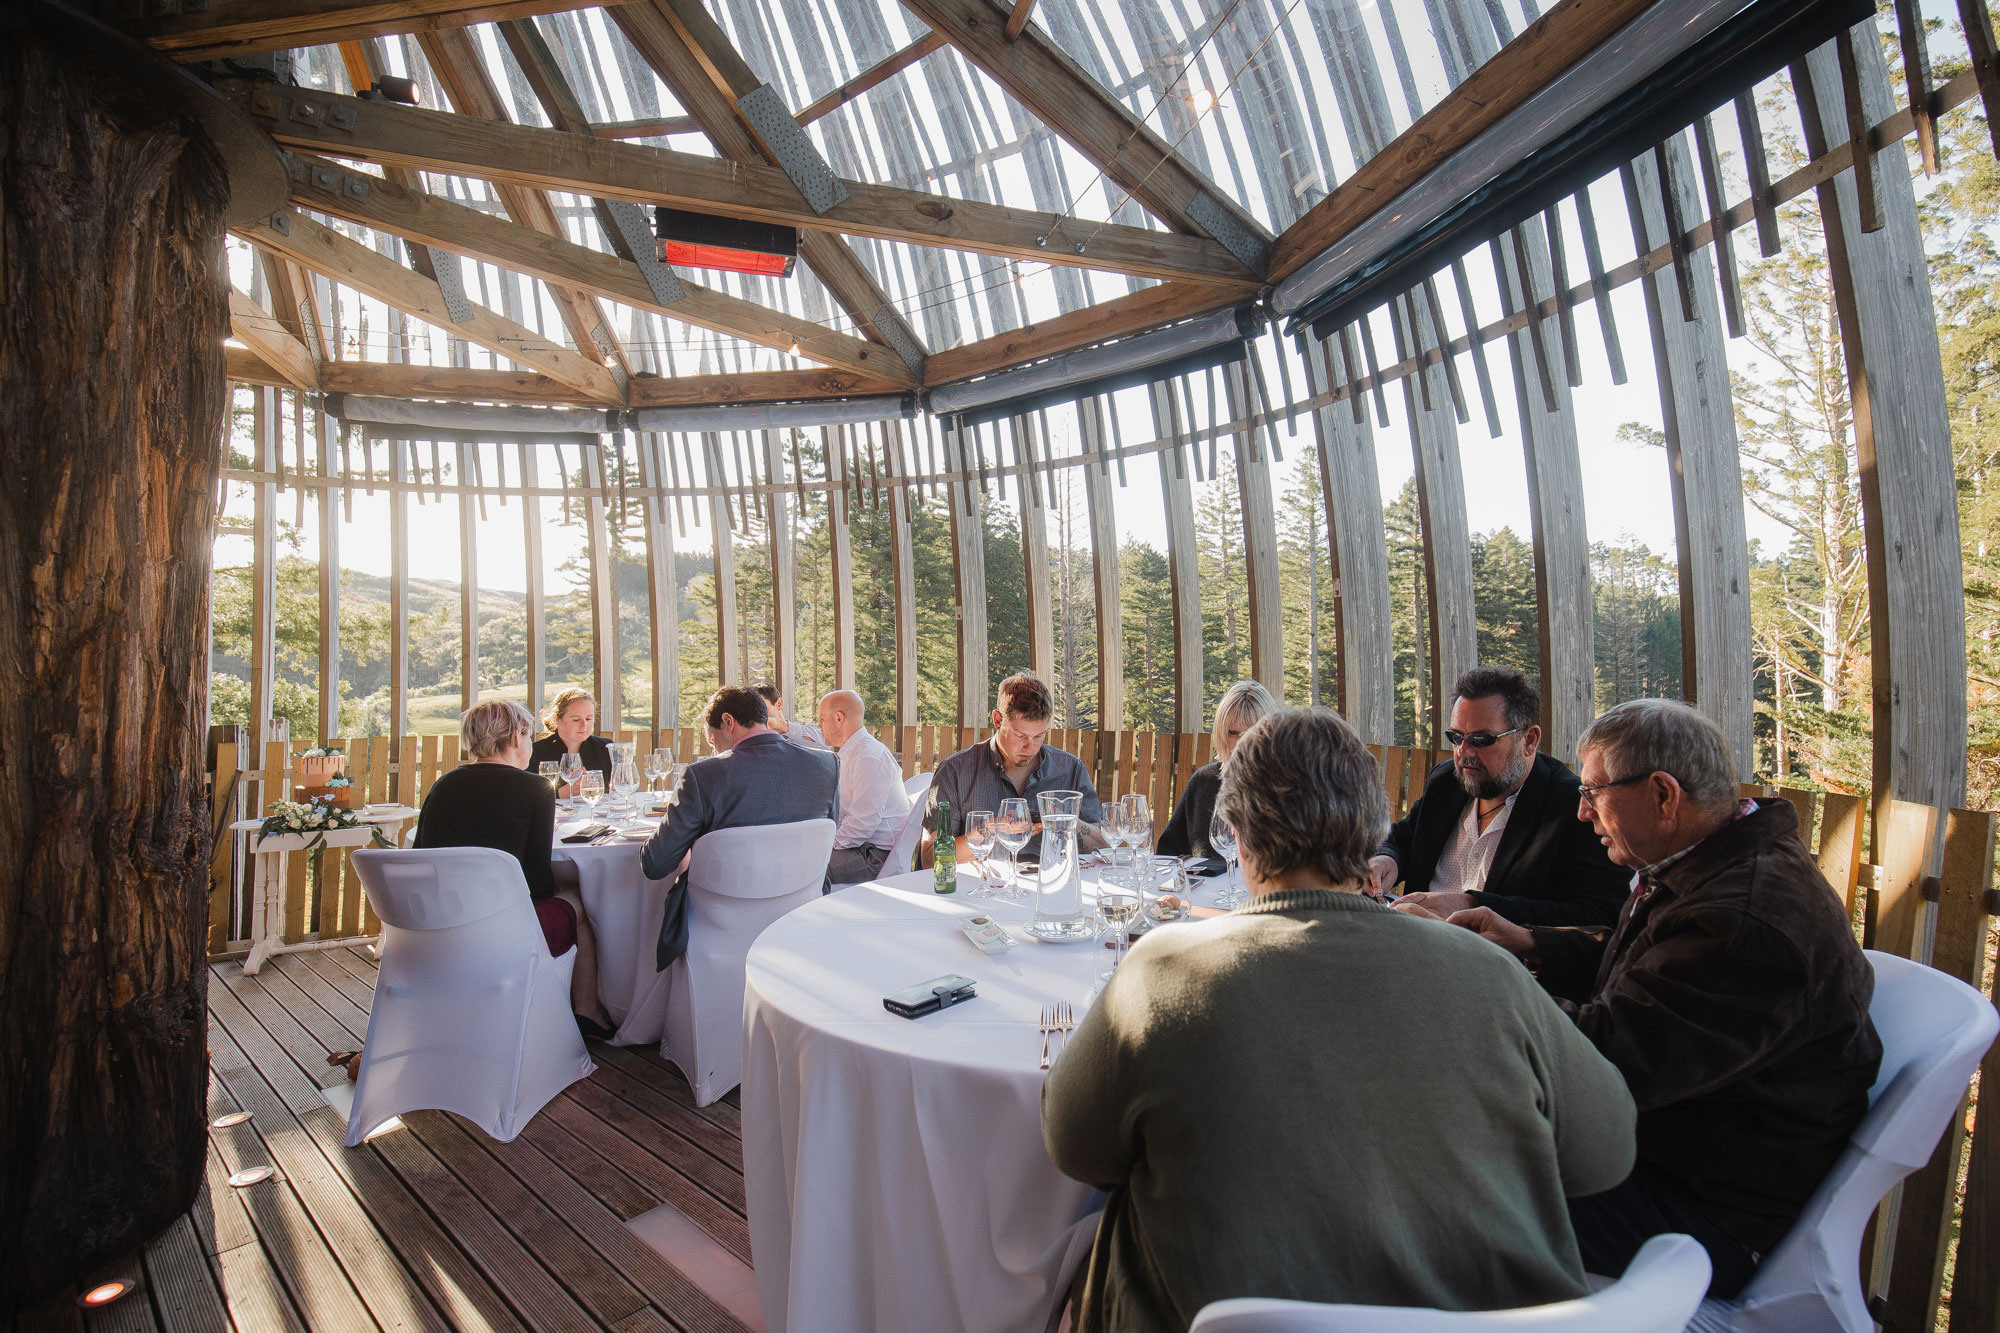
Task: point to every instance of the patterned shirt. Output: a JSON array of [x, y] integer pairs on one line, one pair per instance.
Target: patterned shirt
[[1463, 866]]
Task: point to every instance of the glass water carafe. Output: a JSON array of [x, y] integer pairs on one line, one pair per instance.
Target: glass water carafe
[[624, 770], [1059, 914]]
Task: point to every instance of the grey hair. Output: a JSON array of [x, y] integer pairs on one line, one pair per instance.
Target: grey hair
[[1247, 701], [486, 728], [1304, 793], [1665, 736]]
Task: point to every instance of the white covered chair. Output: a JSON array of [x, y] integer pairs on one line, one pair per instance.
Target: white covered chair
[[739, 881], [917, 784], [1660, 1289], [470, 1013], [1934, 1029], [904, 849]]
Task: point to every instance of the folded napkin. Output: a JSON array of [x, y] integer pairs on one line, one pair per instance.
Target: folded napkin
[[588, 832]]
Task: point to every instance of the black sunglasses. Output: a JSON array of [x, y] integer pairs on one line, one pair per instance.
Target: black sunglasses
[[1589, 794], [1478, 740]]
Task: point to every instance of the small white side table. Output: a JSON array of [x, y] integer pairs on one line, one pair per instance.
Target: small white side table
[[267, 886]]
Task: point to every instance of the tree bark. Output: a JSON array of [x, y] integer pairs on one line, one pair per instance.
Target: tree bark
[[112, 316]]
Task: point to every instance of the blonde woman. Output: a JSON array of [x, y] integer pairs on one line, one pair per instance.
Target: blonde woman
[[572, 723], [490, 801], [1186, 834]]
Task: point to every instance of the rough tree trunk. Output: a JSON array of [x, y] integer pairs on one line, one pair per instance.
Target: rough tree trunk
[[112, 390]]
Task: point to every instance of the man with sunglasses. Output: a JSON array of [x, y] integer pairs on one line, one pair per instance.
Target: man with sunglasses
[[1496, 827]]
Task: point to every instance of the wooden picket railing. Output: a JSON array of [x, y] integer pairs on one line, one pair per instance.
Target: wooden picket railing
[[1922, 888]]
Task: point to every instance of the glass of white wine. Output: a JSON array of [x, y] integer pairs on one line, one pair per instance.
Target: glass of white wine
[[1117, 909], [590, 788]]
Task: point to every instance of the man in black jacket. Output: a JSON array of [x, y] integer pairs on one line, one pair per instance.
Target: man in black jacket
[[1496, 827]]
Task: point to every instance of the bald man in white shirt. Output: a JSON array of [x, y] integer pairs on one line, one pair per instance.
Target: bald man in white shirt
[[873, 804]]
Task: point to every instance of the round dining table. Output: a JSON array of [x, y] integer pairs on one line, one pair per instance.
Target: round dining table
[[894, 1167]]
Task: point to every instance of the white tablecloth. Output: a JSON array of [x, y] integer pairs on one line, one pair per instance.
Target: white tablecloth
[[894, 1168], [625, 909]]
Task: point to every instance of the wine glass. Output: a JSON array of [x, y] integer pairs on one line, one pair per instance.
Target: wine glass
[[571, 768], [1117, 908], [979, 840], [1222, 837], [658, 765], [624, 781], [551, 772], [1113, 829], [1012, 829], [591, 788], [1138, 824]]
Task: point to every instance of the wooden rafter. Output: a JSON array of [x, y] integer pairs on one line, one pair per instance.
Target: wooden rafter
[[1017, 19], [458, 67], [766, 386], [1080, 109], [692, 58], [873, 77], [1545, 49], [294, 304], [242, 27], [244, 366], [259, 330], [324, 250], [440, 141], [431, 220], [1116, 318], [452, 383]]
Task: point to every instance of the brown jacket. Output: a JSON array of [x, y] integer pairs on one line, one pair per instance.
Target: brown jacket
[[1734, 999]]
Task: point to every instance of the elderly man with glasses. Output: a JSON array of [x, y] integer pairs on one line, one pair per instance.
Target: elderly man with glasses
[[1494, 827], [1731, 995]]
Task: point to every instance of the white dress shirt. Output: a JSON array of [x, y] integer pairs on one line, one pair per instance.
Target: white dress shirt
[[1469, 855], [804, 733], [873, 803]]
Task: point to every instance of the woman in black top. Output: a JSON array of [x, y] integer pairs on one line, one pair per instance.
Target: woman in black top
[[1186, 834], [491, 801], [571, 720]]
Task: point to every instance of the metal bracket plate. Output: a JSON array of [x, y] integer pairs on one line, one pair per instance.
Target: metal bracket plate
[[451, 282], [891, 328], [1239, 240], [793, 149], [635, 229]]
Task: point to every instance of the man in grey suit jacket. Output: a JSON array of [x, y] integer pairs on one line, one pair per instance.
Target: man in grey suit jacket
[[762, 779]]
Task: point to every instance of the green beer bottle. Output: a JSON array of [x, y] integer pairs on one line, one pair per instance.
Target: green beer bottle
[[944, 850]]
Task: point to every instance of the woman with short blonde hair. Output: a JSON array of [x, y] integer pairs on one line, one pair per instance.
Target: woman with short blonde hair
[[1239, 709], [571, 718]]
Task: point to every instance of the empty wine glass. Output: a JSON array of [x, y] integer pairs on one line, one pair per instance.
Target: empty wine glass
[[1012, 827], [1114, 829], [1138, 824], [979, 840], [571, 768], [1222, 837], [658, 765]]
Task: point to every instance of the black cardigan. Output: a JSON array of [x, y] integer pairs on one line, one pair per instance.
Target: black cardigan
[[1186, 834], [1549, 870], [497, 806], [596, 752]]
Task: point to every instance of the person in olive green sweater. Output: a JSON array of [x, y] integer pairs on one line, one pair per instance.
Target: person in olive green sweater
[[1317, 1098]]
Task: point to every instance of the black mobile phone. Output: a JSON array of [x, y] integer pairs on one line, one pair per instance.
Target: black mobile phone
[[927, 997]]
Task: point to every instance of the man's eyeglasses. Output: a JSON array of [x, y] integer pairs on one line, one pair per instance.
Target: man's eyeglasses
[[1589, 794], [1478, 740]]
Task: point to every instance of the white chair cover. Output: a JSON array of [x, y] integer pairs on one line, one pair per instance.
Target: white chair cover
[[740, 880], [1660, 1289], [904, 849], [470, 1013], [1934, 1030], [917, 784]]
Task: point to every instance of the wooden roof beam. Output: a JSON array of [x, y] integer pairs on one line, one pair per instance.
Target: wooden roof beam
[[395, 135], [458, 67], [1099, 126], [693, 58], [453, 384], [244, 27], [431, 220], [873, 77], [324, 250], [259, 330], [1122, 317], [1545, 49]]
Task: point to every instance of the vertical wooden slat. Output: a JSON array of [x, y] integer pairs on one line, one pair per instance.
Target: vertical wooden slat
[[1183, 571], [1165, 784], [531, 532], [447, 753], [662, 591], [1395, 759], [603, 576], [430, 763], [405, 787], [1144, 743], [1600, 286], [1801, 802], [399, 594], [1868, 198], [1676, 228], [1917, 80], [1565, 302], [1975, 1292], [1755, 166], [1128, 746], [1725, 245], [1350, 492], [1841, 821], [1100, 516], [1204, 749], [784, 579], [841, 553], [224, 800], [1923, 1225], [468, 582], [329, 585], [1902, 858], [1416, 774]]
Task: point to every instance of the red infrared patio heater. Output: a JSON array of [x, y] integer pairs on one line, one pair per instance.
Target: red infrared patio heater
[[699, 240]]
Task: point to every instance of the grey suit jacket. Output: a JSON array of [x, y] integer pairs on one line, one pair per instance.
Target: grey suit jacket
[[764, 780]]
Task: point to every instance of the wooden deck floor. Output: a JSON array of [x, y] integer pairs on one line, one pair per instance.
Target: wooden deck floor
[[435, 1226]]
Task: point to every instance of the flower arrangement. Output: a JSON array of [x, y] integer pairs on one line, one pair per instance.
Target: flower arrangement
[[316, 819]]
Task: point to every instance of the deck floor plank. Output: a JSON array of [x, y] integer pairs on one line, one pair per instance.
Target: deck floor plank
[[402, 1220], [433, 1227]]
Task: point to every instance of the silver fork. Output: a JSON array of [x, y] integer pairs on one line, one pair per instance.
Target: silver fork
[[1048, 1026], [1065, 1024]]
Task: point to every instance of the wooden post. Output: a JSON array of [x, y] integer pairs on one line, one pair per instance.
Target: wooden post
[[263, 564], [399, 590], [531, 549], [113, 361], [841, 553], [1260, 539], [1909, 498], [603, 591], [1183, 573], [903, 560], [329, 583], [663, 592], [728, 637], [784, 579], [1351, 492], [468, 581], [1029, 492], [1447, 537], [1102, 517], [968, 548], [1705, 473]]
